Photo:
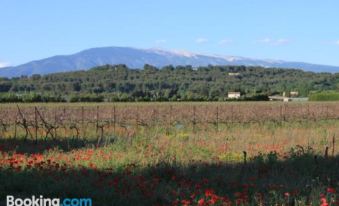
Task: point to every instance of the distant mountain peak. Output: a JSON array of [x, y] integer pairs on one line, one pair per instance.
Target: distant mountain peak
[[136, 58], [182, 53]]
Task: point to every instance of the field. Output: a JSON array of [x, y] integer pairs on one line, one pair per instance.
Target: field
[[172, 153]]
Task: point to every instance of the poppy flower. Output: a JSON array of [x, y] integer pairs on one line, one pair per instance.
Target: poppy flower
[[209, 192], [185, 202], [201, 202], [331, 190]]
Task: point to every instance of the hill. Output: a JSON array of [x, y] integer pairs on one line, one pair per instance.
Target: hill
[[185, 83]]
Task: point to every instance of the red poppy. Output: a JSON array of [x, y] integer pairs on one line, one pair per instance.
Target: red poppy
[[213, 199], [201, 202], [185, 202], [323, 201], [331, 190], [209, 192]]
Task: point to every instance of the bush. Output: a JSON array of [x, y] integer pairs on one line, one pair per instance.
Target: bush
[[9, 97], [87, 98], [32, 97], [324, 96]]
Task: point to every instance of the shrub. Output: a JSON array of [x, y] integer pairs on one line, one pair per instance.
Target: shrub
[[324, 96]]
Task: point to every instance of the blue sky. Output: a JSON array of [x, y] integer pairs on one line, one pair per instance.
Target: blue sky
[[300, 30]]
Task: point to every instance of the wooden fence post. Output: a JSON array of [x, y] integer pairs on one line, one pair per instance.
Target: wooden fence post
[[36, 124], [55, 123], [153, 117], [232, 114], [281, 113], [169, 122], [137, 119], [170, 117], [15, 124], [285, 112], [83, 121], [245, 157], [64, 118], [97, 119], [217, 119], [333, 145], [114, 119], [194, 118], [326, 153]]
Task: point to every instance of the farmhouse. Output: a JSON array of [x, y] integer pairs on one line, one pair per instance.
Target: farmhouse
[[233, 95], [287, 99], [233, 74], [294, 93], [279, 98], [290, 96]]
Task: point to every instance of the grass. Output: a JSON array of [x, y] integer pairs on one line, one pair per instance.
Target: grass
[[285, 164]]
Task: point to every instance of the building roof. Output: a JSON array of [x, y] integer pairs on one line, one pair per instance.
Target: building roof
[[233, 92]]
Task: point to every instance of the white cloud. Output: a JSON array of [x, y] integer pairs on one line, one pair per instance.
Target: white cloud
[[282, 41], [4, 64], [337, 42], [266, 40], [274, 42], [201, 40], [225, 41]]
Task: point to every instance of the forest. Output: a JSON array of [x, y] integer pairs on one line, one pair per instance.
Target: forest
[[113, 83]]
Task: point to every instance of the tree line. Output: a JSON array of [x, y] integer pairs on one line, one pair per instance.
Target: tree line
[[169, 83]]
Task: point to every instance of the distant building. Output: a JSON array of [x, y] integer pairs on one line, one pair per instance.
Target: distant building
[[287, 99], [233, 74], [233, 95], [278, 98], [294, 93]]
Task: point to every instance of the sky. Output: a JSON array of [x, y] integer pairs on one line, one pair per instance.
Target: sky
[[292, 30]]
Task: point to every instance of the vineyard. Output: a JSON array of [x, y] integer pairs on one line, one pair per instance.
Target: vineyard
[[76, 120], [269, 153]]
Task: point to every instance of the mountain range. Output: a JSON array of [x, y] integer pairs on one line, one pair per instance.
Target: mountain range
[[136, 58]]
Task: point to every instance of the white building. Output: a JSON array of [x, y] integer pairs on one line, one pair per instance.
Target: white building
[[294, 93], [233, 95], [233, 74]]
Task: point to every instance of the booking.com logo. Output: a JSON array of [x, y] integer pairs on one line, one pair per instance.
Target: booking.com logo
[[41, 201]]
